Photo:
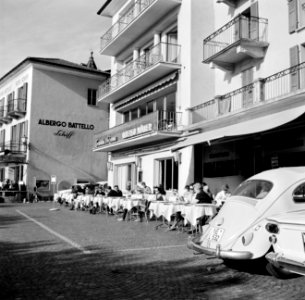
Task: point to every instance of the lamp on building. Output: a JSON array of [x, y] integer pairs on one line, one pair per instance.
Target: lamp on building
[[110, 166], [177, 157]]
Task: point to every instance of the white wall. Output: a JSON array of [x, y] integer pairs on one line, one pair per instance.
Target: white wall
[[62, 97]]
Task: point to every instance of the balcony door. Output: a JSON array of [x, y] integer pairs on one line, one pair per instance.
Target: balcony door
[[172, 49], [247, 95], [248, 25]]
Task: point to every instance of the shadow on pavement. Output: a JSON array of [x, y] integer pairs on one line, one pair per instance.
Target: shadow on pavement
[[26, 273]]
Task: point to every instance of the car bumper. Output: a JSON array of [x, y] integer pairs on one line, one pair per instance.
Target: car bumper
[[288, 264], [193, 243]]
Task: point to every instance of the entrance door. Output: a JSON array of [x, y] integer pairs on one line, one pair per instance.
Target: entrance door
[[247, 78], [125, 176], [168, 173]]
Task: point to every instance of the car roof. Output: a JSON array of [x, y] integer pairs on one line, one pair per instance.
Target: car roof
[[284, 176]]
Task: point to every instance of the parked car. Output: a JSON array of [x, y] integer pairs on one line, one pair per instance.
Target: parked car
[[287, 235], [238, 232]]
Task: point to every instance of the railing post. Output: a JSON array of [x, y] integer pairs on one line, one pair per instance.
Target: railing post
[[258, 90]]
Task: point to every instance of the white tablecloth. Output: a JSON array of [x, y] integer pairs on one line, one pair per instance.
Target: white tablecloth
[[190, 212]]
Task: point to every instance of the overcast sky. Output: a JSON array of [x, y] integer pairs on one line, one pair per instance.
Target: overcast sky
[[67, 29]]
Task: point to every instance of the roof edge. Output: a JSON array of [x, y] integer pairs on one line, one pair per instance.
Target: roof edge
[[45, 62]]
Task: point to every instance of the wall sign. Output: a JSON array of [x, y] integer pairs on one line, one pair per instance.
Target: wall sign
[[73, 125], [136, 131]]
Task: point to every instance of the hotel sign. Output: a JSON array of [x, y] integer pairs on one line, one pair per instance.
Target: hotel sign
[[137, 131]]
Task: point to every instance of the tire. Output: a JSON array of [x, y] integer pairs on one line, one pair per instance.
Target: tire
[[277, 272]]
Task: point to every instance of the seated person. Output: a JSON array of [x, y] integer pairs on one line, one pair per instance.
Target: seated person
[[188, 194], [222, 195]]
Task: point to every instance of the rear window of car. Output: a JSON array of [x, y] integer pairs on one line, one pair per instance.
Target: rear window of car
[[256, 189]]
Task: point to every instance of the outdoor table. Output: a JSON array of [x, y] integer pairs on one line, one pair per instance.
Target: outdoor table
[[98, 199], [157, 208], [191, 212], [129, 204], [113, 202], [171, 208]]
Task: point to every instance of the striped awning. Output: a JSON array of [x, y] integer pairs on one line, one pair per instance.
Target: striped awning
[[153, 88]]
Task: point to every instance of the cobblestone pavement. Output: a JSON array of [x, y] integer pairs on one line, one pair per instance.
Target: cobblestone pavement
[[63, 254]]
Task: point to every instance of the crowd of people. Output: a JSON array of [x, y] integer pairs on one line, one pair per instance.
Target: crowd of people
[[194, 193]]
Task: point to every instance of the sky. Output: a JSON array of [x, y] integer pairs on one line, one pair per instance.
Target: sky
[[66, 29]]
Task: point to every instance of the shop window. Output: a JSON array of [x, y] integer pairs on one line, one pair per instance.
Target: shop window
[[92, 94]]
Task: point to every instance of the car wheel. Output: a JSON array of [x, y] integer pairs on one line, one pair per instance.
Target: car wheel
[[278, 272]]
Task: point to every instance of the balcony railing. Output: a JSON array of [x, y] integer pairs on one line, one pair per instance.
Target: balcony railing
[[13, 147], [162, 52], [262, 91], [134, 11], [16, 106], [240, 28], [158, 121]]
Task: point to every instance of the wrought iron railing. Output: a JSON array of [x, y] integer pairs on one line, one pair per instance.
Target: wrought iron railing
[[266, 90], [16, 105], [241, 27], [13, 146], [162, 52], [164, 121], [133, 12]]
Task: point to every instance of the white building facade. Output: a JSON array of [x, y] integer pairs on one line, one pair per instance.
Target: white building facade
[[255, 120], [231, 73], [156, 75], [48, 116]]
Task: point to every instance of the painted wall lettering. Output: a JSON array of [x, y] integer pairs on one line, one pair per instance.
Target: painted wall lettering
[[66, 124], [66, 134]]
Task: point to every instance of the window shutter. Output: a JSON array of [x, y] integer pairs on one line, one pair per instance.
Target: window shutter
[[292, 10], [24, 91], [254, 30], [294, 76]]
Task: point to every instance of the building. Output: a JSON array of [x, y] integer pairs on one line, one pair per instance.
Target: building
[[255, 120], [48, 115], [157, 75]]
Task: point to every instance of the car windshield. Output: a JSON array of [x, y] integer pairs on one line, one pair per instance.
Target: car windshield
[[257, 189]]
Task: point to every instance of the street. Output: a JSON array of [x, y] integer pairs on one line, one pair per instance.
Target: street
[[63, 254]]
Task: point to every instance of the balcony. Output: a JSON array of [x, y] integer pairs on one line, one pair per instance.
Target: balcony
[[231, 3], [159, 61], [134, 23], [4, 117], [241, 38], [16, 108], [13, 152], [152, 128], [280, 91]]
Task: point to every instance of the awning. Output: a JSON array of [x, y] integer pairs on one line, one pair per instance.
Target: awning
[[247, 127], [154, 88]]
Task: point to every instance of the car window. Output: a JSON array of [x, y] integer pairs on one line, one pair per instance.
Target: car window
[[299, 193], [257, 189]]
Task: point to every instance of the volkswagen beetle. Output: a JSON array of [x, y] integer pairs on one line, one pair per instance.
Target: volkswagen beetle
[[287, 235], [238, 232]]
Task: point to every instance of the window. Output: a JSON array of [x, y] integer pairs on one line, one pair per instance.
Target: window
[[92, 97], [296, 11], [257, 189], [167, 171]]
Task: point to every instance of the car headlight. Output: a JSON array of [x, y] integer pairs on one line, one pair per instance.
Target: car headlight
[[247, 238]]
